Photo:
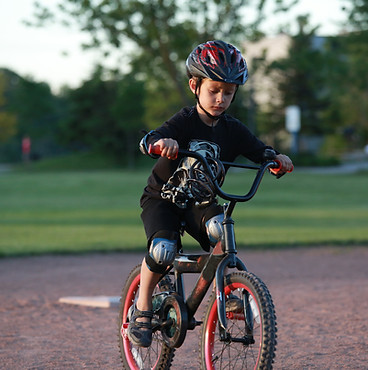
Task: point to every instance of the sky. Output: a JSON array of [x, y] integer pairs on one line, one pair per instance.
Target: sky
[[53, 54]]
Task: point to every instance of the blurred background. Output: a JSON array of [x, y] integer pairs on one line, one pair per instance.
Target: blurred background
[[83, 78]]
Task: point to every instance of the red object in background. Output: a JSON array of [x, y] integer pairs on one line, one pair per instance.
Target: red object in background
[[26, 145]]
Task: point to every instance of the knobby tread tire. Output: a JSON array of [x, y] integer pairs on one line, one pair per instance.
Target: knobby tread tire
[[166, 354], [267, 341]]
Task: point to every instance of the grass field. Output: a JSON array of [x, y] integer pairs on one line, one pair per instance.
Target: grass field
[[61, 212]]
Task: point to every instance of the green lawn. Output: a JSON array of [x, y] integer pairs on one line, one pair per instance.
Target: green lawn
[[99, 211]]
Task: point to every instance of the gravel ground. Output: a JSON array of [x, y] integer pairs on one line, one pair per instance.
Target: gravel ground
[[320, 294]]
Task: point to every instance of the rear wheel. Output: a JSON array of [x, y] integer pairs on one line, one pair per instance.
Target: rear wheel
[[252, 342], [158, 355]]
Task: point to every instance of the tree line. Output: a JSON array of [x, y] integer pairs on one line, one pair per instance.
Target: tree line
[[107, 112]]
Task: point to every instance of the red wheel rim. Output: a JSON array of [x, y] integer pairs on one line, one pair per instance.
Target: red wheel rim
[[128, 302]]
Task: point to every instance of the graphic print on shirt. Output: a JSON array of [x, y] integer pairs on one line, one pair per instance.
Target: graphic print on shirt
[[189, 181]]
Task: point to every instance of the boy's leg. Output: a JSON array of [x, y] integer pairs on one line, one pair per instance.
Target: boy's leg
[[160, 255], [156, 215], [162, 224], [148, 282], [198, 225], [140, 329]]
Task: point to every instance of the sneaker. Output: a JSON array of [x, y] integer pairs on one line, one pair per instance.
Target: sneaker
[[139, 332], [234, 304]]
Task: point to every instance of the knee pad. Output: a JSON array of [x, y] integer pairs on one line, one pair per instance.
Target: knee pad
[[161, 254], [214, 228]]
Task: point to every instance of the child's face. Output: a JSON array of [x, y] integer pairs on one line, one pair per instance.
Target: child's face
[[215, 97]]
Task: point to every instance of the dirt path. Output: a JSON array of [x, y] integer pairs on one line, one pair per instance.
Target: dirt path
[[321, 299]]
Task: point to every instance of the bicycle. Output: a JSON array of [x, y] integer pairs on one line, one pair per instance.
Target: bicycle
[[239, 325]]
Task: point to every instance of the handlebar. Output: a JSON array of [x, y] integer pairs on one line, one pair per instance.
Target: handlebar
[[261, 169]]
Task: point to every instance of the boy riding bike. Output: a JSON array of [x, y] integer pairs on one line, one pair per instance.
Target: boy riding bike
[[171, 199]]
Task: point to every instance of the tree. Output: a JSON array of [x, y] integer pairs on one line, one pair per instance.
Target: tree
[[328, 82], [353, 99], [38, 111], [33, 111], [159, 33], [89, 120], [151, 39], [303, 79], [8, 120], [357, 11], [105, 115], [128, 110], [347, 113]]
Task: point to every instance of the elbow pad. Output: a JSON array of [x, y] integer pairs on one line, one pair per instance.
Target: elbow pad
[[143, 144]]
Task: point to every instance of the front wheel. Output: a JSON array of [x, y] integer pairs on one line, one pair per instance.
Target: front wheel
[[158, 355], [251, 326]]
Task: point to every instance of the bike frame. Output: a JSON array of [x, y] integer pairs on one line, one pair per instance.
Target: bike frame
[[212, 266]]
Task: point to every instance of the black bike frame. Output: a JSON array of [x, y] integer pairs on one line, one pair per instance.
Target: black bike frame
[[212, 266]]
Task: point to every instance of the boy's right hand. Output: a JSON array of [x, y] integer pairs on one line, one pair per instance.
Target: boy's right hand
[[169, 148]]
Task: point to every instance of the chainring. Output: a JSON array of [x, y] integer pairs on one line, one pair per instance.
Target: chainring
[[174, 314]]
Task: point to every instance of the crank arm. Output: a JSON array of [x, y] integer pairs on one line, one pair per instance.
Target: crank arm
[[159, 324]]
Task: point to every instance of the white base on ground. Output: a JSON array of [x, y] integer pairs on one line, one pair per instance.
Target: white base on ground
[[95, 301]]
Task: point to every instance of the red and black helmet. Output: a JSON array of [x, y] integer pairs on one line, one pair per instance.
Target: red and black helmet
[[218, 61]]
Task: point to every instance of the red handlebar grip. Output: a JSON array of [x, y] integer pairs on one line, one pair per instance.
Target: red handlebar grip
[[278, 169], [154, 149]]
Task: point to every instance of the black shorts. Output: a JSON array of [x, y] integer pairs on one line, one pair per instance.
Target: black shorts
[[161, 215]]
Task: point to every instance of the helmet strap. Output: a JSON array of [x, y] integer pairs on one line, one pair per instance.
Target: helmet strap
[[237, 87]]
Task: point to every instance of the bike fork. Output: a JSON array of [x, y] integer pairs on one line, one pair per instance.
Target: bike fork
[[229, 261], [221, 308]]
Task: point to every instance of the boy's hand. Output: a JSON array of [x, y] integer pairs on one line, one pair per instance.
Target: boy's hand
[[169, 148], [286, 165]]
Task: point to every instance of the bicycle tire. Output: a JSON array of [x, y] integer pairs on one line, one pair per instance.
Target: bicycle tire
[[216, 354], [158, 356]]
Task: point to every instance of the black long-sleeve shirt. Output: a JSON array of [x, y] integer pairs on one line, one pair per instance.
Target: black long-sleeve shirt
[[231, 135]]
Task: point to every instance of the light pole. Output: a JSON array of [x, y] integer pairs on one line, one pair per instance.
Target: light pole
[[292, 123]]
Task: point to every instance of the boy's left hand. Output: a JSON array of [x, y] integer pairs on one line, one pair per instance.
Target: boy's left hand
[[286, 165]]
